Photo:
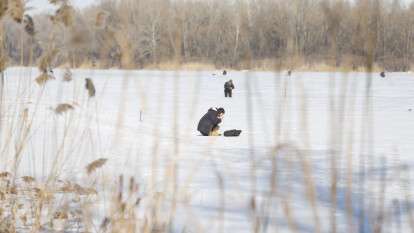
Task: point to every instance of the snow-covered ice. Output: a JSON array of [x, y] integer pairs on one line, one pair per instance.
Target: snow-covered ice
[[295, 129]]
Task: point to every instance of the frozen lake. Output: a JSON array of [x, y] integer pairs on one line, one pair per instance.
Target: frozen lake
[[301, 134]]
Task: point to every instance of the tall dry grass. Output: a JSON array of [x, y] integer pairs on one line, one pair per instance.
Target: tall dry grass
[[30, 204]]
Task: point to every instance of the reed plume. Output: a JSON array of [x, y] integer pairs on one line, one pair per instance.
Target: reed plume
[[43, 78], [5, 174], [62, 108], [67, 76], [90, 87], [28, 179], [95, 165], [55, 2], [29, 25]]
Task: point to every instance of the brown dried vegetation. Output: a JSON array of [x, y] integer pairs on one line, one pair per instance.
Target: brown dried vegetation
[[3, 7], [62, 108], [90, 168], [16, 10], [43, 78], [63, 15], [29, 25], [67, 76]]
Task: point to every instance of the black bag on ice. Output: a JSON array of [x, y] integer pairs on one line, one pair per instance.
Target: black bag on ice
[[232, 133]]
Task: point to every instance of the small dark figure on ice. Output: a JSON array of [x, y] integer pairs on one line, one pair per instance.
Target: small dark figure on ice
[[382, 74], [224, 72], [228, 88], [209, 123]]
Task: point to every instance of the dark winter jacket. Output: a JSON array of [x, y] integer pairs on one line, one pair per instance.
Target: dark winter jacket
[[229, 85], [208, 121]]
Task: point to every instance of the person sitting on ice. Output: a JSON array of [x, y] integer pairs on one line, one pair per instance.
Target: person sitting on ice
[[209, 123]]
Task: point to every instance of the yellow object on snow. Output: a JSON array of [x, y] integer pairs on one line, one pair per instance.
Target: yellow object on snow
[[215, 133]]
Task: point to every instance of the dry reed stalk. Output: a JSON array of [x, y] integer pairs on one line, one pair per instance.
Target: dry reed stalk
[[273, 192], [380, 212], [122, 216], [333, 141], [3, 57], [305, 165], [107, 44], [221, 212], [120, 188], [252, 155], [408, 199], [90, 168], [46, 60], [67, 76], [38, 201], [285, 199], [133, 186], [349, 163], [121, 109], [104, 225], [172, 170], [125, 45], [307, 168], [155, 151], [3, 62]]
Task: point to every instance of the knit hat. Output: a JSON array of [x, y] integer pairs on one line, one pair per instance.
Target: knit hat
[[220, 110]]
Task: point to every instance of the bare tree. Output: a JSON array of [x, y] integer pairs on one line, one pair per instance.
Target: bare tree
[[128, 33]]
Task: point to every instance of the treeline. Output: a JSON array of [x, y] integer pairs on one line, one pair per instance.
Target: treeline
[[240, 34]]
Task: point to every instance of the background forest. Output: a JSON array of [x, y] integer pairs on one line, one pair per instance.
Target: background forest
[[237, 34]]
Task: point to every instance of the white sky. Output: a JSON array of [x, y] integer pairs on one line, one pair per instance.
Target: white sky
[[44, 5]]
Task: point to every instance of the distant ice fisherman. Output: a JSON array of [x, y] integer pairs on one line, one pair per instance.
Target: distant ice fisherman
[[228, 88], [209, 123]]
